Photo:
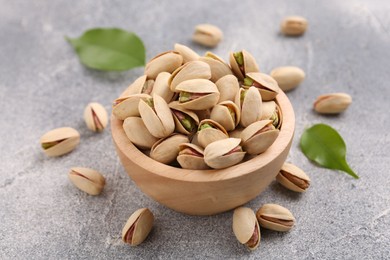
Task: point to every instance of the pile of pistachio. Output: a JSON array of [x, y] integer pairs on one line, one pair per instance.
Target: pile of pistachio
[[201, 111]]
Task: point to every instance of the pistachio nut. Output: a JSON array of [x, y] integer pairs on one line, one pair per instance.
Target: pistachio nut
[[275, 217], [218, 66], [207, 34], [186, 121], [242, 62], [60, 141], [236, 133], [166, 149], [198, 94], [157, 116], [210, 131], [135, 87], [250, 104], [191, 157], [187, 53], [223, 153], [166, 61], [267, 86], [259, 136], [246, 228], [293, 178], [228, 87], [127, 106], [87, 180], [226, 113], [138, 227], [161, 87], [190, 70], [95, 116], [288, 77], [293, 25], [137, 133], [332, 103], [272, 111]]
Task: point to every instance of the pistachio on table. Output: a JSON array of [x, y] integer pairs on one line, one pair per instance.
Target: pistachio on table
[[275, 217], [246, 228], [293, 25], [166, 149], [258, 136], [166, 61], [207, 34], [243, 62], [288, 77], [60, 141], [332, 103], [267, 86], [293, 178], [95, 116], [187, 53], [191, 157], [223, 153], [138, 227], [87, 180]]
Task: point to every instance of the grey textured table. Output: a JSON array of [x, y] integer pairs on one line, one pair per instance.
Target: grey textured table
[[43, 86]]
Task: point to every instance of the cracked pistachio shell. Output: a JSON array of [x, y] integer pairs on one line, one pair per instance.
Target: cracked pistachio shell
[[288, 77], [157, 119], [161, 87], [246, 228], [220, 154], [207, 90], [250, 103], [191, 70], [138, 227], [227, 114], [135, 87], [191, 157], [166, 150], [175, 107], [137, 133], [167, 61], [60, 141], [187, 53], [211, 134], [218, 66], [228, 87], [293, 178], [258, 137], [332, 103], [95, 116], [275, 217], [125, 107], [207, 35], [272, 111], [87, 180], [249, 64], [267, 86], [293, 25]]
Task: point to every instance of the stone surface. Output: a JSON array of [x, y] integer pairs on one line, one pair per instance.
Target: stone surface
[[43, 86]]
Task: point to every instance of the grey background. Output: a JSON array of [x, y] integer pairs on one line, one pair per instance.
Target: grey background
[[43, 86]]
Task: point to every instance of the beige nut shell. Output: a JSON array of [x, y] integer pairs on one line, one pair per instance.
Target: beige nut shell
[[288, 77], [244, 222], [167, 149], [167, 61], [143, 220], [298, 178], [137, 133], [67, 137], [87, 180], [278, 213]]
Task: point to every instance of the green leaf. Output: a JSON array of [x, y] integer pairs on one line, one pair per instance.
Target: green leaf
[[323, 145], [109, 49]]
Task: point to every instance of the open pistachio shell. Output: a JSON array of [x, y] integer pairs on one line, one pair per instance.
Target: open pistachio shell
[[161, 87], [223, 153], [250, 103], [166, 150], [191, 157], [166, 61], [87, 180], [60, 141], [271, 111], [95, 116], [198, 94], [187, 53], [267, 86], [158, 117], [293, 178], [210, 131], [243, 62], [275, 217], [137, 133], [257, 137], [135, 87], [246, 228], [217, 65], [228, 87], [226, 113], [332, 103], [138, 227], [125, 107], [186, 121], [191, 70]]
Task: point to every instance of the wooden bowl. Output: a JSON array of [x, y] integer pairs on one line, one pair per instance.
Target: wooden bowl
[[206, 192]]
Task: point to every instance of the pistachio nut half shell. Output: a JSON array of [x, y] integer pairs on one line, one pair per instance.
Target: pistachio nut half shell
[[275, 217], [186, 121], [288, 77], [223, 153], [267, 86], [210, 131], [218, 66], [191, 157], [250, 104], [198, 94], [135, 87], [293, 25], [293, 178], [166, 149], [226, 113], [332, 103], [258, 136], [190, 70], [60, 141], [187, 53], [246, 228], [228, 87], [87, 180], [95, 116], [207, 34], [161, 86], [138, 227], [166, 61], [127, 106], [137, 133], [242, 62], [271, 110]]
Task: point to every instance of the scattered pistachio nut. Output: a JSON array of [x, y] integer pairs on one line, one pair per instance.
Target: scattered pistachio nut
[[223, 153], [95, 116], [246, 228], [332, 103], [87, 180], [293, 178], [60, 141], [207, 35], [138, 227], [275, 217], [293, 25], [288, 77]]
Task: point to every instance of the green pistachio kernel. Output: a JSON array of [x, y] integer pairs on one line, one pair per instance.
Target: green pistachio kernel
[[248, 81], [184, 96], [150, 102], [242, 95], [204, 126], [239, 58], [188, 123], [49, 144], [232, 114]]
